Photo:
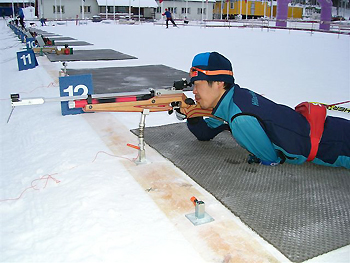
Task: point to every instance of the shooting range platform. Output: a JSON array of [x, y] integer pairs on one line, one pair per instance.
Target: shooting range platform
[[126, 79], [302, 210], [90, 55]]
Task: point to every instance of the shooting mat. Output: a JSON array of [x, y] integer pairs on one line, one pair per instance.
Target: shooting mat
[[42, 32], [59, 38], [72, 43], [89, 55], [302, 210], [50, 35], [127, 79]]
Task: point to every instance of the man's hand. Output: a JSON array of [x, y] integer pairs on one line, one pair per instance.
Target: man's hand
[[179, 115], [188, 110]]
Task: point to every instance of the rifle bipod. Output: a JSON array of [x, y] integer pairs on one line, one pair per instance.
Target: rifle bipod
[[141, 158]]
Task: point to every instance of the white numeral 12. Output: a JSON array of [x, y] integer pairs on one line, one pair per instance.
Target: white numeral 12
[[71, 91]]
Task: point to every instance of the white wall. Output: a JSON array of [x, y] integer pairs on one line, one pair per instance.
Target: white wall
[[193, 15], [71, 9]]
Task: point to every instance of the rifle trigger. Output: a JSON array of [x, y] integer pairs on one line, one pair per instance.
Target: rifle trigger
[[89, 99]]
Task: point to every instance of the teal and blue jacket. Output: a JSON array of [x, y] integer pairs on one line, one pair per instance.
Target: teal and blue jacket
[[272, 132]]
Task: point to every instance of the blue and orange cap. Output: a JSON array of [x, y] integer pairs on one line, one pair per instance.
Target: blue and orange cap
[[211, 66]]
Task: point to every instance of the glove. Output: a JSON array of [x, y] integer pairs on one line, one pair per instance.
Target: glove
[[176, 107], [253, 159], [180, 116]]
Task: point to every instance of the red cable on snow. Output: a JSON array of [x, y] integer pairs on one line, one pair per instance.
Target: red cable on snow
[[47, 178], [50, 176]]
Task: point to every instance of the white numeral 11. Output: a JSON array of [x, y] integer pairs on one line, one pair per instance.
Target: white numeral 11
[[25, 60]]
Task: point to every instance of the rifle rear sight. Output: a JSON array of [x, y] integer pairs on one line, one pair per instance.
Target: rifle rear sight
[[181, 84]]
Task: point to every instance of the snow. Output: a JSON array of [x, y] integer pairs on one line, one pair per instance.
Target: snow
[[66, 198]]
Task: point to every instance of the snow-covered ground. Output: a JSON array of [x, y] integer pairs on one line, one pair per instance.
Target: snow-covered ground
[[66, 198]]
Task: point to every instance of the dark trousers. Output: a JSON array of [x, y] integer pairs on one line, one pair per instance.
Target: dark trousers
[[21, 21], [171, 20]]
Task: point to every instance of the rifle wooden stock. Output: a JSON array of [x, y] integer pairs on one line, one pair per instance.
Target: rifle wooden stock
[[154, 104]]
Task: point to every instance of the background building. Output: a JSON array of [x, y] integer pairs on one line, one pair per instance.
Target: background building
[[252, 9], [72, 9], [190, 9]]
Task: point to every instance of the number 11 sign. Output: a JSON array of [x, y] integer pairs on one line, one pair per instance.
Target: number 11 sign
[[26, 60]]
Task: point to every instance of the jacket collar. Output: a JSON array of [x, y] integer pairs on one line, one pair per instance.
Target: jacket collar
[[221, 109]]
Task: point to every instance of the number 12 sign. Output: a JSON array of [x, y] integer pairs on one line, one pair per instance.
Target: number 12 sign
[[26, 60], [78, 85]]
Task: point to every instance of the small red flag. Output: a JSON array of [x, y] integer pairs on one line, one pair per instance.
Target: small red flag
[[160, 1]]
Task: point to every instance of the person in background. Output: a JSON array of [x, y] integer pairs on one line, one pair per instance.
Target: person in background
[[272, 133], [169, 17], [43, 21], [21, 17]]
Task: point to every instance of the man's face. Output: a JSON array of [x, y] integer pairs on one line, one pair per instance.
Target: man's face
[[208, 96]]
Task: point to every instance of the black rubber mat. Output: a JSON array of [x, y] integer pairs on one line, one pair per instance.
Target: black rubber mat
[[60, 38], [72, 43], [126, 79], [49, 35], [89, 55], [43, 32], [302, 210]]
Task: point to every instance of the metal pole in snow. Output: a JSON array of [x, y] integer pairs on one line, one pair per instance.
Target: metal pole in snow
[[271, 9], [202, 10], [227, 3], [207, 13], [240, 8], [82, 10], [221, 8], [13, 10], [61, 9]]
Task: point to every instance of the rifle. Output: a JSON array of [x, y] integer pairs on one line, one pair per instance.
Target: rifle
[[156, 100]]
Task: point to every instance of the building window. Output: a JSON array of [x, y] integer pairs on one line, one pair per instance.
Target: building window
[[252, 8], [172, 10], [200, 10], [110, 9], [57, 8], [159, 10], [183, 10], [122, 9], [87, 9]]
